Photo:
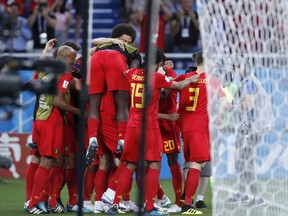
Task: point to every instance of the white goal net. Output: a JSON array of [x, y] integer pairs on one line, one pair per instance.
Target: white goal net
[[245, 44]]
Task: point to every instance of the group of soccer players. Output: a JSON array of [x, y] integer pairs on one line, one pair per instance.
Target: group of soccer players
[[115, 110]]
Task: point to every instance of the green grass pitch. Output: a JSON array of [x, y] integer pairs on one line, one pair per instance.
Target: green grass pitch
[[12, 196]]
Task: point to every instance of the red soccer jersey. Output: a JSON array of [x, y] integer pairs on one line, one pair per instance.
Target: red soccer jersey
[[136, 79], [169, 104], [62, 86], [194, 101]]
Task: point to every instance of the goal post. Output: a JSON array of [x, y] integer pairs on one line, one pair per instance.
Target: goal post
[[248, 150]]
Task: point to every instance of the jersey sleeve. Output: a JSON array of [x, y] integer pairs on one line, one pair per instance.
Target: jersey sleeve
[[162, 81], [128, 74], [63, 83]]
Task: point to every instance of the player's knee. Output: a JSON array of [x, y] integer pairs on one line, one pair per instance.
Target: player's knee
[[206, 171]]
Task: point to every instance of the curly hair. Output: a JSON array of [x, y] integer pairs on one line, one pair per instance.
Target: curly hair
[[123, 28]]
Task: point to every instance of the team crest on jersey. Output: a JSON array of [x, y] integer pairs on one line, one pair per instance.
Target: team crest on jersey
[[65, 84]]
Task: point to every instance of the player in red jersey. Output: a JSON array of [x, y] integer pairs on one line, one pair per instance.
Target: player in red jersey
[[49, 133], [107, 140], [171, 142], [35, 156], [194, 125], [154, 146], [106, 74]]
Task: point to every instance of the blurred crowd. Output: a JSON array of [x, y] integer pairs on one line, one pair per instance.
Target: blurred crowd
[[175, 30], [28, 24]]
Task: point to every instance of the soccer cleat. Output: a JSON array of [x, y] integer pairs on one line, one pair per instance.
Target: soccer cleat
[[164, 202], [100, 207], [43, 206], [158, 208], [174, 209], [59, 201], [26, 204], [113, 210], [192, 211], [130, 206], [238, 199], [88, 206], [91, 151], [120, 146], [55, 209], [74, 208], [155, 212], [34, 210], [71, 208], [201, 204], [32, 145]]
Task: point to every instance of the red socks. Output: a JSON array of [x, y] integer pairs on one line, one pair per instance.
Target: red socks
[[54, 183], [40, 180], [100, 183], [151, 187], [88, 183], [160, 191], [124, 181], [92, 124], [113, 181], [192, 182], [30, 173], [176, 181], [122, 129], [126, 194], [71, 180]]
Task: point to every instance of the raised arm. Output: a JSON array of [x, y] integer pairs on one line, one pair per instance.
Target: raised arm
[[184, 83]]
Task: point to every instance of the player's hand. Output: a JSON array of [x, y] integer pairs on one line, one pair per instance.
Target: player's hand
[[120, 147], [194, 78], [119, 42], [173, 116], [50, 44]]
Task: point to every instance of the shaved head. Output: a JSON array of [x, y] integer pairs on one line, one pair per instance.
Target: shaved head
[[67, 54]]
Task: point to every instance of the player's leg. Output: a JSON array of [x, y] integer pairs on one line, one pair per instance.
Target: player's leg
[[119, 85], [93, 124], [153, 152], [101, 177], [204, 181], [151, 186], [56, 174], [176, 175], [108, 196], [250, 174], [33, 165], [123, 184], [30, 173], [41, 179], [46, 143], [240, 162], [89, 177], [196, 150], [121, 98], [96, 90]]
